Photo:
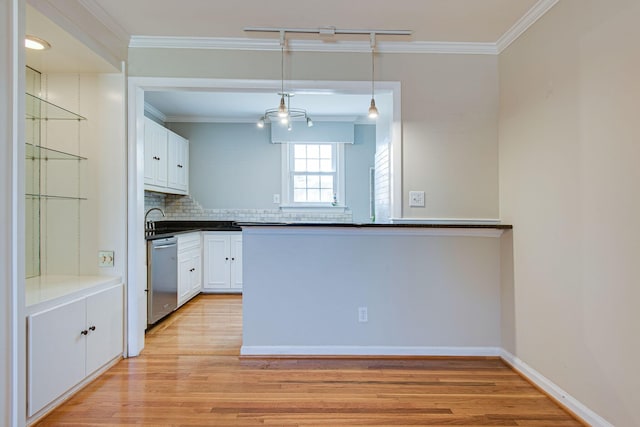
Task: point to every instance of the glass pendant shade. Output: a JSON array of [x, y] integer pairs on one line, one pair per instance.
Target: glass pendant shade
[[373, 110]]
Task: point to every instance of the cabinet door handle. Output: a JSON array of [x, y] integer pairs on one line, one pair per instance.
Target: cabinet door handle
[[84, 332], [92, 328], [193, 269], [180, 166], [156, 158]]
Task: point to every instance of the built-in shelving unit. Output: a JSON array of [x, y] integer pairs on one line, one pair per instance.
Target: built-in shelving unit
[[53, 177]]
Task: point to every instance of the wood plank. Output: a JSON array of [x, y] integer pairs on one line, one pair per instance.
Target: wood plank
[[190, 374]]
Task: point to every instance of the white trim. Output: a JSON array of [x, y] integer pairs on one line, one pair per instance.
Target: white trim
[[103, 17], [345, 350], [344, 230], [273, 44], [527, 20], [153, 111], [454, 221], [555, 391]]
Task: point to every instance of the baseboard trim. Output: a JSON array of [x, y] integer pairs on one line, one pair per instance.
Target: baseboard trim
[[253, 350], [563, 398]]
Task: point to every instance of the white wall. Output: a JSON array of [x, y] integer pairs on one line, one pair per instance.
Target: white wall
[[449, 112], [235, 166], [74, 231], [425, 294], [569, 174]]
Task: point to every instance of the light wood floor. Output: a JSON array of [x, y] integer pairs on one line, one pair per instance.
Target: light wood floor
[[190, 375]]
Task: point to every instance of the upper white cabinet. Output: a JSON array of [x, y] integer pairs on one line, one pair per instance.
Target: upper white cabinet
[[166, 160], [222, 262], [155, 154], [178, 163]]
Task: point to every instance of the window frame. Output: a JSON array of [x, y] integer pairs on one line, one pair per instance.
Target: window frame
[[288, 173]]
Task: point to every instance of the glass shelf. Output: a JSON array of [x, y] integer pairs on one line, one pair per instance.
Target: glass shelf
[[34, 152], [49, 196], [39, 109]]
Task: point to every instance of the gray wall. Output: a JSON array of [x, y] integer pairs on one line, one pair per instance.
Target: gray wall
[[449, 113], [425, 293], [235, 166]]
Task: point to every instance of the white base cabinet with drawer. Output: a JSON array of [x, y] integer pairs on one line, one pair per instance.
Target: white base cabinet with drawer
[[189, 266], [222, 262], [69, 342]]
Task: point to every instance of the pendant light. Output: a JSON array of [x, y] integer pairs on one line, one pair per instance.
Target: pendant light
[[373, 110], [284, 113]]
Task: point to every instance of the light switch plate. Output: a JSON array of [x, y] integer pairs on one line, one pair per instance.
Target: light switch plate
[[105, 259], [416, 199]]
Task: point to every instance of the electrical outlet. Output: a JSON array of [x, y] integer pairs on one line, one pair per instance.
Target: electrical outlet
[[416, 199], [363, 315], [276, 198], [105, 259]]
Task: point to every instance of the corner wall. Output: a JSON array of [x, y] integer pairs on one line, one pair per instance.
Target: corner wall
[[449, 112], [569, 147]]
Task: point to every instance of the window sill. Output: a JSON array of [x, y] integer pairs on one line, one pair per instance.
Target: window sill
[[313, 208]]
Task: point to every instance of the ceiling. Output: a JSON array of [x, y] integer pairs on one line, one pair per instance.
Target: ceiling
[[433, 21], [430, 20]]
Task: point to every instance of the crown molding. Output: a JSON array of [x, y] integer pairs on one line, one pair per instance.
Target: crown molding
[[107, 20], [148, 108], [222, 43], [528, 19]]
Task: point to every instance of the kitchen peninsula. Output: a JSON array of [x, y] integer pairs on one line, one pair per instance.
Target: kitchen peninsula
[[372, 289]]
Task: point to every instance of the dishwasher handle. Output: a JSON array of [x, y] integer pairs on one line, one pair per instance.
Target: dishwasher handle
[[170, 245]]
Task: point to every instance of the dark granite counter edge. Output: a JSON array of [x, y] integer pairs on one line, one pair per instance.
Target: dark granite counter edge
[[172, 228], [347, 225]]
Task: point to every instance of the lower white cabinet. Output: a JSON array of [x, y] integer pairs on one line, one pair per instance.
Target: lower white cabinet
[[70, 341], [189, 267], [222, 262]]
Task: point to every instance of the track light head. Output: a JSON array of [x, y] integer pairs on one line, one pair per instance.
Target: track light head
[[260, 123], [309, 122]]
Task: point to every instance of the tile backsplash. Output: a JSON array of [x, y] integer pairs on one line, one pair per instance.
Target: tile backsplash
[[186, 208]]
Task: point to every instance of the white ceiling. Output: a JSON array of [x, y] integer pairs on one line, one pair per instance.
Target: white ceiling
[[460, 21]]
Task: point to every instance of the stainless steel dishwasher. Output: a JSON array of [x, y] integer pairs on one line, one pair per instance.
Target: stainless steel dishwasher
[[162, 278]]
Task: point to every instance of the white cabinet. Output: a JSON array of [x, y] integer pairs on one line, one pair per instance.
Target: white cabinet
[[155, 154], [166, 159], [222, 262], [178, 163], [70, 341], [189, 267]]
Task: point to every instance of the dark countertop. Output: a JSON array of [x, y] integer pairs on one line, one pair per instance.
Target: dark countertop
[[165, 229], [372, 225]]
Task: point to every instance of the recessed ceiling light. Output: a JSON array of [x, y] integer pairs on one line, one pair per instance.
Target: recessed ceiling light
[[35, 43]]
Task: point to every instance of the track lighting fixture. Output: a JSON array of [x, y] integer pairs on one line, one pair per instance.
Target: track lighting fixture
[[284, 113], [373, 110]]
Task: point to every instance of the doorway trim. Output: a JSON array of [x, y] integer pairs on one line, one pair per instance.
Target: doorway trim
[[137, 86]]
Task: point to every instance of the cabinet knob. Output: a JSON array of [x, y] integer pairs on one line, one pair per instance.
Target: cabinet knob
[[84, 332], [233, 259], [92, 328], [226, 258]]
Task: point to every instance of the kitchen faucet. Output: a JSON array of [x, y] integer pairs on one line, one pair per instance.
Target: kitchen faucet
[[148, 225]]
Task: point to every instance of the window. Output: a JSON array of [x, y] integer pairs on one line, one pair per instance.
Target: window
[[313, 175]]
